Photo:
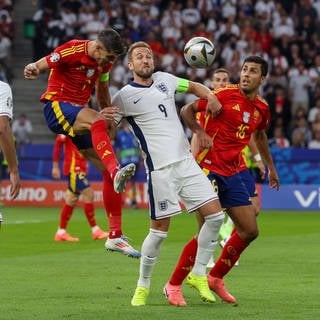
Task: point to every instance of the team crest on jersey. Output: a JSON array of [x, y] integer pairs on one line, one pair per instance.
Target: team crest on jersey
[[163, 205], [246, 117], [162, 87], [54, 57], [90, 73]]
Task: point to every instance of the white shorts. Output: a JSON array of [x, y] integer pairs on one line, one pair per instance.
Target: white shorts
[[182, 181]]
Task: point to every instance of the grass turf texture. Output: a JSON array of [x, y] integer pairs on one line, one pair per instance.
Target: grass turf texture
[[278, 276]]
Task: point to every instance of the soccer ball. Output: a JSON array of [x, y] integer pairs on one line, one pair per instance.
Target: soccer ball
[[199, 52]]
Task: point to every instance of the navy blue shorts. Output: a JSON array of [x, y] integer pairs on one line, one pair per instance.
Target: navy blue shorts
[[60, 117], [77, 182], [232, 190], [249, 181]]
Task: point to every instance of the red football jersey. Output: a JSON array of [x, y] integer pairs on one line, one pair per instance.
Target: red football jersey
[[231, 129], [73, 161], [73, 73]]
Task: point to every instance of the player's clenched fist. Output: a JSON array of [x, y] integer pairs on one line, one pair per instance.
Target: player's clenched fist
[[31, 71]]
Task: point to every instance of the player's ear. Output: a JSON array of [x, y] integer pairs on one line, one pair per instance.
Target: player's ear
[[130, 65]]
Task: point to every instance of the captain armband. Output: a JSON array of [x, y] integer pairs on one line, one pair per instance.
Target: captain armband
[[104, 77], [183, 85]]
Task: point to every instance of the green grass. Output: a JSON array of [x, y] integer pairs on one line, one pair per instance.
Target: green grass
[[278, 276]]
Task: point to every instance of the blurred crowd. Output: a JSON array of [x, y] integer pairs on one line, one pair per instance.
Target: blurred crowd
[[7, 35], [285, 33]]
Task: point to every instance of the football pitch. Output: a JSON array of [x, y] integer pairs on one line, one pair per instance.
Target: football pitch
[[278, 276]]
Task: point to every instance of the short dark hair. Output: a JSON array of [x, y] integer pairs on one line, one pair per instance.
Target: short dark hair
[[112, 41], [221, 70], [259, 60], [224, 70]]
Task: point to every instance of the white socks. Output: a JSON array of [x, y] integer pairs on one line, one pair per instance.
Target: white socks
[[207, 240], [149, 254]]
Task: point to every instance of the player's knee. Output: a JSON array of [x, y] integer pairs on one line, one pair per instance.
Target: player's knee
[[152, 243], [252, 234], [72, 199]]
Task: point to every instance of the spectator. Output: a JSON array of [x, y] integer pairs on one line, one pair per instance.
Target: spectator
[[314, 111], [56, 32], [172, 12], [171, 32], [279, 140], [314, 71], [315, 142], [278, 59], [303, 126], [264, 8], [297, 139], [5, 56], [22, 129], [41, 19], [7, 26], [279, 105], [93, 27], [205, 7], [264, 37], [118, 19], [229, 8], [298, 89], [284, 27], [172, 60], [191, 14], [85, 15], [69, 18]]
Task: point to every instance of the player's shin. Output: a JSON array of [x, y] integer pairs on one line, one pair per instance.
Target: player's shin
[[102, 145], [185, 262], [207, 240], [112, 202], [149, 254], [229, 256]]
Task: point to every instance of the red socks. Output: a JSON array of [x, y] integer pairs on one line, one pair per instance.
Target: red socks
[[102, 145], [113, 205], [229, 256], [89, 212], [65, 216], [185, 263]]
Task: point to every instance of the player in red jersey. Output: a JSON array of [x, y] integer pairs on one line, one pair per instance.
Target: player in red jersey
[[221, 140], [220, 78], [75, 168], [76, 67]]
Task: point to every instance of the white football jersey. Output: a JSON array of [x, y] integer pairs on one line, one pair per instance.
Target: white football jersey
[[152, 115], [5, 100]]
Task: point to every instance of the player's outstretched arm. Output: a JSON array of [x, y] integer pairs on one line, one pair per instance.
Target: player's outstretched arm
[[32, 70], [201, 91]]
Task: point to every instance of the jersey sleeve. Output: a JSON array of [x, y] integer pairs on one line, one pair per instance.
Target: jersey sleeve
[[6, 105], [117, 101], [65, 53], [266, 117], [202, 105]]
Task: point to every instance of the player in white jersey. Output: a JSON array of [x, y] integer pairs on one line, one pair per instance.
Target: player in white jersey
[[6, 139], [148, 105]]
